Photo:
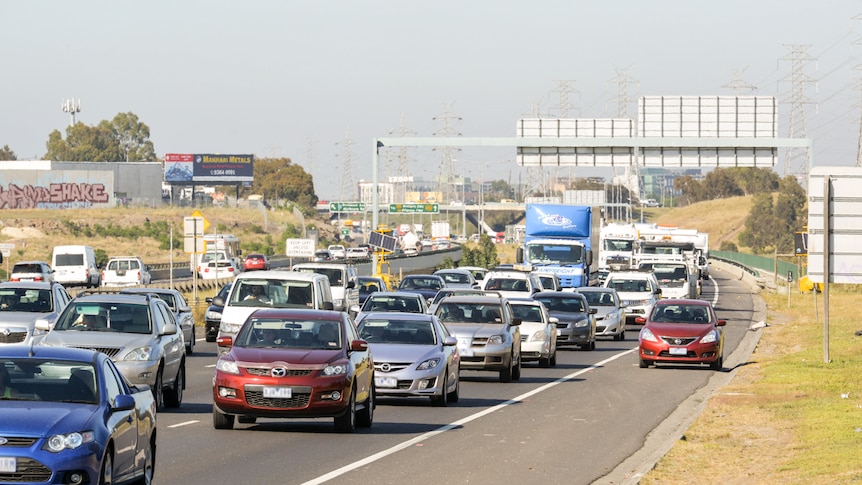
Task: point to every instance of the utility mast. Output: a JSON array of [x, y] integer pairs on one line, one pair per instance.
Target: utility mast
[[72, 106], [562, 110], [402, 172], [347, 188], [738, 85]]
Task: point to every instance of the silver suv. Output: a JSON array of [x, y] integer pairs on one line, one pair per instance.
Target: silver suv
[[138, 332], [488, 333]]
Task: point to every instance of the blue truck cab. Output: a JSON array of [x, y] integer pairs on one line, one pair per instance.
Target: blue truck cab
[[560, 239]]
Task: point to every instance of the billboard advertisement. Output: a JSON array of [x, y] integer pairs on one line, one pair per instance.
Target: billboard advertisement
[[183, 168]]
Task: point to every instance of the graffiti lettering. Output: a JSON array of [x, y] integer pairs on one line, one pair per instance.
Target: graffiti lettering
[[54, 196]]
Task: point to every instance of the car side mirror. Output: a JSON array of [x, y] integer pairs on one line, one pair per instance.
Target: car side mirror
[[351, 284], [218, 301], [327, 305], [721, 323], [554, 320], [123, 402], [450, 341], [43, 325], [516, 321], [185, 309], [224, 341], [593, 310], [358, 345], [170, 328]]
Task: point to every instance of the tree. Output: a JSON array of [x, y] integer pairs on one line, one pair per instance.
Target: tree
[[720, 184], [6, 153], [278, 178], [761, 225], [690, 190], [124, 139]]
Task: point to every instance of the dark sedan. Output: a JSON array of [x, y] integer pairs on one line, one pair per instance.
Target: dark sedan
[[682, 332], [425, 284], [68, 416], [295, 363], [212, 317], [577, 321]]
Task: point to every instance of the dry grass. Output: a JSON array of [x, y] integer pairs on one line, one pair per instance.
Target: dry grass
[[722, 219], [787, 417]]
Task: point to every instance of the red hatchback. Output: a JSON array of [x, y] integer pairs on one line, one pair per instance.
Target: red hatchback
[[255, 261], [682, 332], [295, 363]]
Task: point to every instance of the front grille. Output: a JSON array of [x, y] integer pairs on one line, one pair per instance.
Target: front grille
[[29, 470], [266, 371], [13, 337], [665, 353], [601, 329], [18, 441], [562, 324], [479, 341], [393, 366], [109, 351], [300, 399], [679, 341]]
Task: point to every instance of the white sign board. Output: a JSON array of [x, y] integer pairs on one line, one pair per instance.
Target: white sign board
[[6, 249], [193, 226], [575, 128], [844, 218], [299, 248]]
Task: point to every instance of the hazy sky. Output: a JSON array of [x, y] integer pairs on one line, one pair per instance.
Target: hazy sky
[[305, 79]]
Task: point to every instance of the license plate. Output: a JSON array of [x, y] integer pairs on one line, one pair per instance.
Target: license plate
[[278, 392], [678, 351], [8, 465], [388, 382]]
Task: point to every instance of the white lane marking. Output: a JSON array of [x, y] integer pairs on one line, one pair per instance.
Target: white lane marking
[[418, 439], [183, 424]]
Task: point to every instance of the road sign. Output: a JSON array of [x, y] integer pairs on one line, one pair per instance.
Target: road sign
[[346, 207], [415, 208], [197, 213], [299, 248], [6, 249]]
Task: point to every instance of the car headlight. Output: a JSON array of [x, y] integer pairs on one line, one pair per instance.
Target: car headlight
[[211, 315], [227, 366], [709, 338], [338, 302], [646, 334], [429, 364], [140, 353], [582, 323], [227, 327], [335, 370], [612, 315], [538, 336], [495, 339], [70, 441]]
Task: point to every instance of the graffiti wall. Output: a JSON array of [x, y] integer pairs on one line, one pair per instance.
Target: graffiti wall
[[39, 188]]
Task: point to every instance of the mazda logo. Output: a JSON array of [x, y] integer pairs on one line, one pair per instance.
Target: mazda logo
[[278, 372], [385, 367]]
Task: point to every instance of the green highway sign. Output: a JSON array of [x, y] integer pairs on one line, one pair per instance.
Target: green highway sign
[[347, 207], [415, 208]]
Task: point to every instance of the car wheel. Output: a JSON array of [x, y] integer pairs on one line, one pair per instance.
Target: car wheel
[[506, 374], [149, 465], [190, 348], [158, 390], [107, 477], [718, 364], [516, 370], [346, 423], [365, 416], [174, 396], [246, 419], [441, 399], [221, 420], [644, 364], [456, 393], [554, 358], [544, 362], [592, 344]]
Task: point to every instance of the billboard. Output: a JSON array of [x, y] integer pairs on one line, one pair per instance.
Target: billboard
[[838, 207], [184, 168], [575, 128]]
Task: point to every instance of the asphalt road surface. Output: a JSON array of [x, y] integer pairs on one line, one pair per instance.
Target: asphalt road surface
[[592, 418]]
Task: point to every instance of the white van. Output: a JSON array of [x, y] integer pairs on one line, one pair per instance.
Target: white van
[[342, 280], [76, 265]]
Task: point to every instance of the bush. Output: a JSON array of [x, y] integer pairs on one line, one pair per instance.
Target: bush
[[728, 246]]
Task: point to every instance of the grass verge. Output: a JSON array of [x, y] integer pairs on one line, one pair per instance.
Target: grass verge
[[787, 417]]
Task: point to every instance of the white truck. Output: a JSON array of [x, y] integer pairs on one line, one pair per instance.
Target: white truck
[[440, 230], [617, 246]]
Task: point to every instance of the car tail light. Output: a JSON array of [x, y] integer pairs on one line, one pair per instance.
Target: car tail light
[[38, 278], [15, 279]]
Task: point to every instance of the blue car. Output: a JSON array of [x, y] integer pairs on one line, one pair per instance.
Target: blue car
[[68, 416]]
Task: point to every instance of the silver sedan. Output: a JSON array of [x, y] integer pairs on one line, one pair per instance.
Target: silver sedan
[[414, 355]]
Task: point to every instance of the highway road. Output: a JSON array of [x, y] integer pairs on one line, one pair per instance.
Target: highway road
[[574, 423]]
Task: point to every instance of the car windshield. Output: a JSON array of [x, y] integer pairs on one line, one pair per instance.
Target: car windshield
[[507, 284], [48, 381], [469, 313], [335, 275], [527, 313], [289, 334], [629, 285], [694, 314], [105, 317], [393, 303], [367, 287], [272, 293], [555, 253], [397, 331], [25, 300], [599, 298], [457, 278], [563, 304], [421, 284]]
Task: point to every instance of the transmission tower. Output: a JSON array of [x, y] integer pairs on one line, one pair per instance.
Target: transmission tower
[[535, 183], [347, 188], [738, 85], [796, 161], [309, 156], [858, 68], [562, 110], [403, 170], [447, 181], [622, 81]]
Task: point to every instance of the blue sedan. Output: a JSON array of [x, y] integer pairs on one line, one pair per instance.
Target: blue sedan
[[68, 416]]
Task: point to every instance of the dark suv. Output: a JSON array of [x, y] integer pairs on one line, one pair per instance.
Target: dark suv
[[213, 313], [489, 337]]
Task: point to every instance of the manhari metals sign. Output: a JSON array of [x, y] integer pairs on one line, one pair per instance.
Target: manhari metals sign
[[184, 168]]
